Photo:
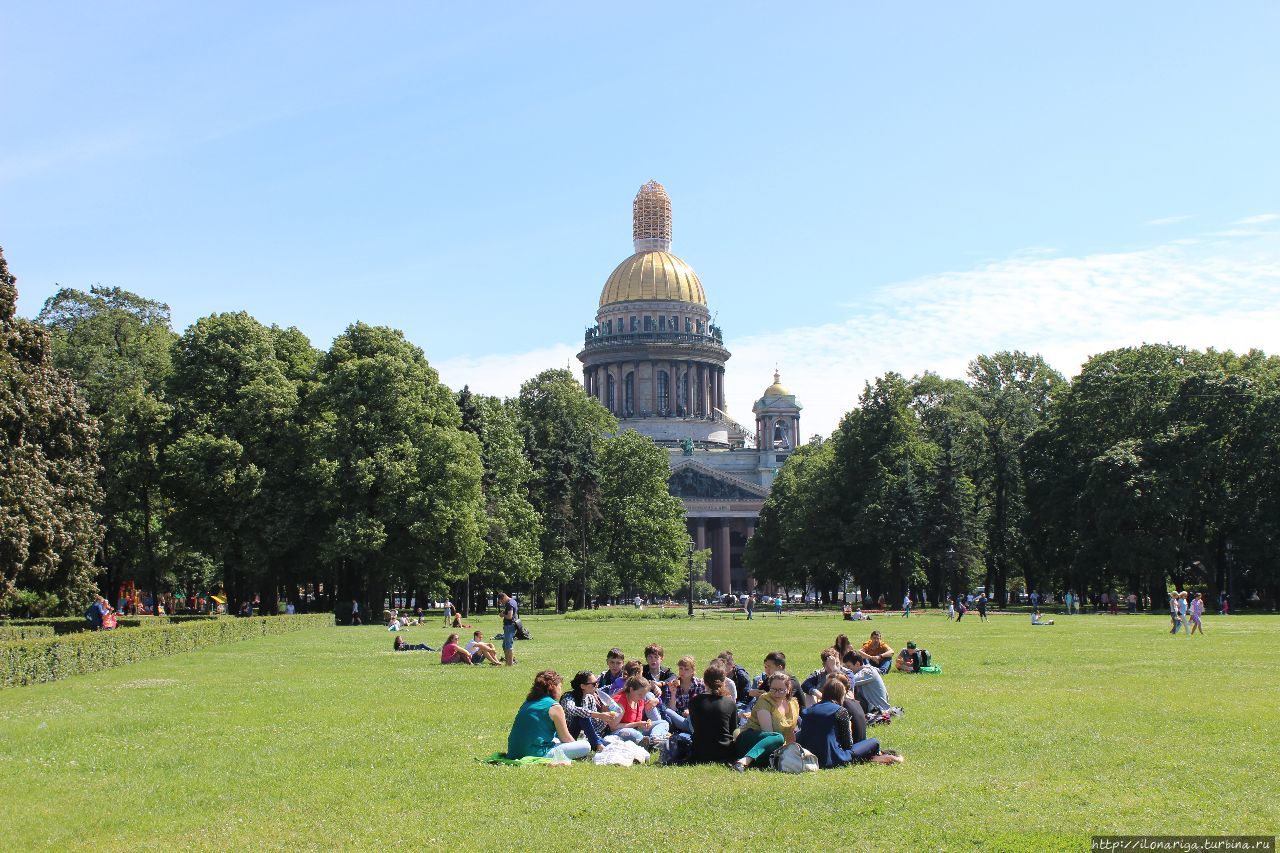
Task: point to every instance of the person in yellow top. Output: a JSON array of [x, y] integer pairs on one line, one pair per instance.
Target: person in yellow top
[[877, 653], [772, 723]]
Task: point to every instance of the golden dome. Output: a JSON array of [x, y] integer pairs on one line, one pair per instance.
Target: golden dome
[[777, 389], [653, 275]]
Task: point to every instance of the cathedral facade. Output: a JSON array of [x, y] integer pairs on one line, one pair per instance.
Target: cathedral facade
[[655, 360]]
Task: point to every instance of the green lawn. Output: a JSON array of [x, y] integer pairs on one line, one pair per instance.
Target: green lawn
[[1032, 738]]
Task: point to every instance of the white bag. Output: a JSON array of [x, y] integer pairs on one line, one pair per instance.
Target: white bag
[[794, 758]]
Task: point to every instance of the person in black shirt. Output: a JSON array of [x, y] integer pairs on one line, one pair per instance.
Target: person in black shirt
[[714, 717]]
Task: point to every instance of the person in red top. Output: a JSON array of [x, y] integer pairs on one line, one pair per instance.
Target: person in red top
[[632, 725], [453, 653]]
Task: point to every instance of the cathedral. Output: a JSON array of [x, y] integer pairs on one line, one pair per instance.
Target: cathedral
[[655, 360]]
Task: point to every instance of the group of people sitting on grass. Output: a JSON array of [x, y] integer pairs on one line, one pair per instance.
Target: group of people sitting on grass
[[722, 717]]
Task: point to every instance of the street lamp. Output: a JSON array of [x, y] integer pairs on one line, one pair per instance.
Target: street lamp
[[690, 546]]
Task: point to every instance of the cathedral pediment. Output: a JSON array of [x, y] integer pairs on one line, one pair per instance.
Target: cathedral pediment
[[699, 482]]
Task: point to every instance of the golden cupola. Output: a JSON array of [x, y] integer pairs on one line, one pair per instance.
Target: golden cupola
[[652, 273]]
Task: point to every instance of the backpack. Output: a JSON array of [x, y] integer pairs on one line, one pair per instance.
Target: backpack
[[923, 658], [521, 633], [793, 758]]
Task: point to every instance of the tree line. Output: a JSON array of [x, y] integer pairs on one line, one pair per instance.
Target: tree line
[[236, 457], [1156, 465]]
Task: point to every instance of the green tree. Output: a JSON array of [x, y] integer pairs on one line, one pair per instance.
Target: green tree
[[50, 530], [117, 347], [232, 410], [562, 429], [640, 542], [513, 528], [1014, 392], [405, 498]]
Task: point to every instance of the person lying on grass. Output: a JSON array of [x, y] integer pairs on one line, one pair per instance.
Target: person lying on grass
[[401, 646], [481, 651], [1036, 620], [539, 729], [826, 730], [454, 653]]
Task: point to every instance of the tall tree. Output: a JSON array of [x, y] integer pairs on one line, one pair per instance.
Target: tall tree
[[50, 530], [117, 346], [233, 405], [641, 541], [513, 528], [405, 494], [562, 429], [1014, 392]]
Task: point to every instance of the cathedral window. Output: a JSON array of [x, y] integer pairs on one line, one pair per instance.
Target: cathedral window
[[611, 396], [662, 323], [648, 323], [664, 393], [630, 393], [635, 325]]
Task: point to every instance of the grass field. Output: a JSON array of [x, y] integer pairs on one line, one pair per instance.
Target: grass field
[[1032, 738]]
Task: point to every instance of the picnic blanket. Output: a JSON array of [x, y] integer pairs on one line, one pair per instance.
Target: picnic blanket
[[501, 759]]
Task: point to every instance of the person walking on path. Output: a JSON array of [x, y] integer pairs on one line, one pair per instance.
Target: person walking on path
[[1182, 612], [777, 605], [751, 606], [906, 605], [1173, 612]]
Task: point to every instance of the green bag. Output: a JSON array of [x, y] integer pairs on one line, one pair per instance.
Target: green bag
[[935, 670]]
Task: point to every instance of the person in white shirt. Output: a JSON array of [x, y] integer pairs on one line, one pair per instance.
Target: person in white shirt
[[481, 651]]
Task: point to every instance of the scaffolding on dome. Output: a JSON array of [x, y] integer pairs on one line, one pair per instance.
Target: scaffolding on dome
[[651, 218]]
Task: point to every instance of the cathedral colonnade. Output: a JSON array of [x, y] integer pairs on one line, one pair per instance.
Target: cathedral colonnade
[[665, 388]]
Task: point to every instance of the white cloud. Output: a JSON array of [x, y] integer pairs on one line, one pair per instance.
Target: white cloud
[[1224, 295], [1167, 220], [501, 375], [1257, 220]]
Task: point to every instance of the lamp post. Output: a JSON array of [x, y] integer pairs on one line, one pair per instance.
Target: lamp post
[[690, 546]]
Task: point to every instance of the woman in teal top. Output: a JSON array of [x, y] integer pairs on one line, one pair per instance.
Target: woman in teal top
[[540, 729]]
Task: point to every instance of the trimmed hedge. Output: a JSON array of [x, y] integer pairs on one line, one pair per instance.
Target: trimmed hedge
[[61, 625], [52, 658], [24, 632]]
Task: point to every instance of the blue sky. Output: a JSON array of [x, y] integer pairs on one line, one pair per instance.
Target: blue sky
[[861, 187]]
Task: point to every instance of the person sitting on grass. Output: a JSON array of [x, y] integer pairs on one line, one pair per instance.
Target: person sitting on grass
[[910, 659], [876, 652], [739, 680], [714, 717], [1036, 620], [812, 686], [826, 730], [539, 729], [454, 653], [847, 612], [657, 674], [868, 684], [589, 711], [481, 651], [636, 700], [772, 722], [401, 646], [774, 663], [612, 679], [680, 692]]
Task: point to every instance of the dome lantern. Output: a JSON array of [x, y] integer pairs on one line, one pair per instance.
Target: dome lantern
[[651, 219]]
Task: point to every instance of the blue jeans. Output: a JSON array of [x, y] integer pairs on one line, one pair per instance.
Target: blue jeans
[[508, 636], [885, 666], [580, 727], [571, 751], [659, 731], [678, 722]]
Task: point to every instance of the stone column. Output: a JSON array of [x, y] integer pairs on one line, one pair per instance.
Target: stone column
[[715, 388], [751, 531], [700, 542], [690, 383], [720, 385], [720, 555]]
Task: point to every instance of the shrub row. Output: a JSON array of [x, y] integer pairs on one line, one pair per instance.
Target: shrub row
[[75, 624], [52, 658], [630, 613], [24, 632]]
